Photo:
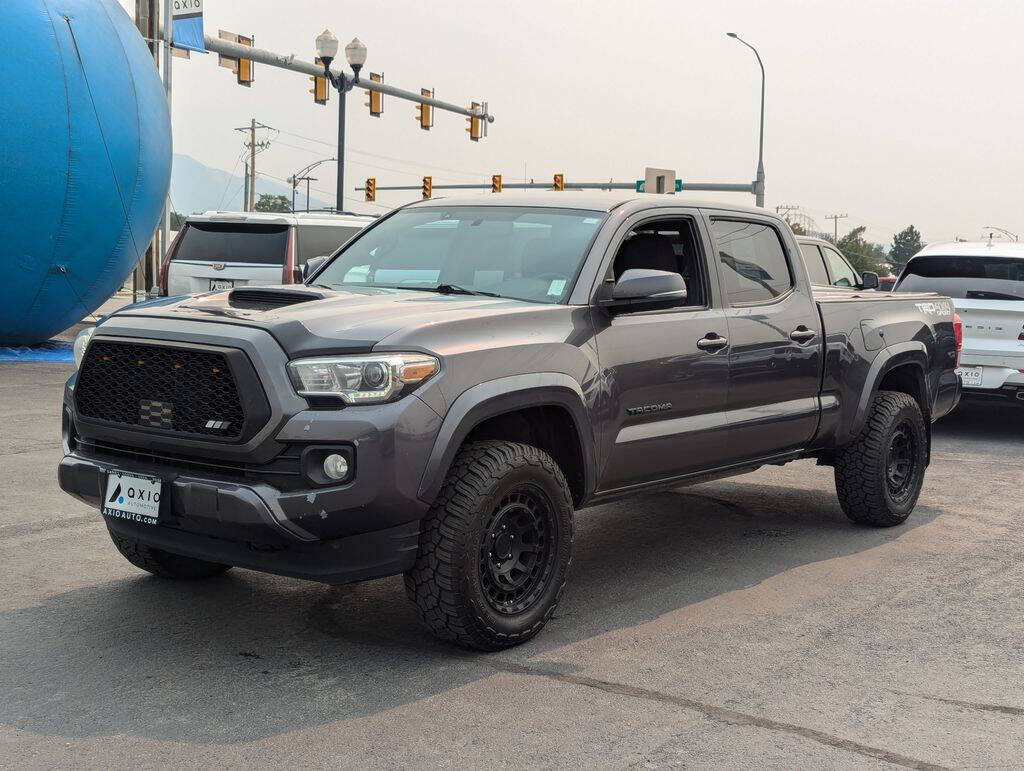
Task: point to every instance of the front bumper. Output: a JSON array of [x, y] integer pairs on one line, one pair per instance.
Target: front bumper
[[243, 525]]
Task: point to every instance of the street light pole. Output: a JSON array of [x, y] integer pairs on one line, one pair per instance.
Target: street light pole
[[355, 54], [759, 182]]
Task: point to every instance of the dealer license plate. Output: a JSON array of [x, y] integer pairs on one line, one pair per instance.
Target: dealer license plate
[[220, 284], [971, 376], [135, 497]]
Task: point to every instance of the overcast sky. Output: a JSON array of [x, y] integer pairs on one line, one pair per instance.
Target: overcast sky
[[893, 112]]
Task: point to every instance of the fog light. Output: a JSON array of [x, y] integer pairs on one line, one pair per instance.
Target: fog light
[[335, 466]]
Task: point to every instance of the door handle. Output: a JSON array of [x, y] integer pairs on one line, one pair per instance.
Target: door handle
[[712, 343], [802, 334]]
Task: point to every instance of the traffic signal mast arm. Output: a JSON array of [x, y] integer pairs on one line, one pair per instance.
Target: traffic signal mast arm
[[263, 56]]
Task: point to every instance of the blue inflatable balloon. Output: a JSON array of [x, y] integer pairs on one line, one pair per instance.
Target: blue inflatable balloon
[[85, 160]]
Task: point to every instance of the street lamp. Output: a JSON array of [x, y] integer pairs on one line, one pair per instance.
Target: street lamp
[[355, 54], [759, 182], [303, 176]]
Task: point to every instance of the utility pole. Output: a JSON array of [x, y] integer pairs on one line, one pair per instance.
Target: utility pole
[[252, 164], [835, 224], [249, 198], [245, 190], [784, 209]]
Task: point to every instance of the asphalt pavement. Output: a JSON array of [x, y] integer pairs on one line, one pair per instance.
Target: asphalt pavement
[[742, 623]]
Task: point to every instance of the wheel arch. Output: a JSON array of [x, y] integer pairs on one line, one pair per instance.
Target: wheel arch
[[901, 367], [499, 409]]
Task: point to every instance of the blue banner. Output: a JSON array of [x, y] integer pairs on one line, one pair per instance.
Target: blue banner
[[187, 26]]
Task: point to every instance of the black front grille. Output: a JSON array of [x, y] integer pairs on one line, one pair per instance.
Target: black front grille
[[175, 390]]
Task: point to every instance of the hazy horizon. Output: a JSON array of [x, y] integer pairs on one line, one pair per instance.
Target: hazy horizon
[[895, 113]]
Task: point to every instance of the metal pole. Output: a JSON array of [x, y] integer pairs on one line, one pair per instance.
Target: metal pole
[[339, 203], [263, 56], [165, 219], [308, 179], [759, 181], [714, 187]]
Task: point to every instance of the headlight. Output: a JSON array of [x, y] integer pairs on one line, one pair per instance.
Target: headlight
[[81, 341], [369, 379]]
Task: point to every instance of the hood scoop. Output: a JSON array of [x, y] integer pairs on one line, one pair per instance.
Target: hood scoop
[[258, 299]]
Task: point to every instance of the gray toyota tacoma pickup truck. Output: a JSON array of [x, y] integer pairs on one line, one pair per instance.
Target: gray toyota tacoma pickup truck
[[442, 394]]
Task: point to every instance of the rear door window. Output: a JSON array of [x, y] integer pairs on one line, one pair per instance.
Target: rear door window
[[839, 268], [975, 278], [233, 242], [753, 262], [815, 267]]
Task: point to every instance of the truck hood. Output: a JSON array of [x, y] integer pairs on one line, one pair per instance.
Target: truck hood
[[315, 321]]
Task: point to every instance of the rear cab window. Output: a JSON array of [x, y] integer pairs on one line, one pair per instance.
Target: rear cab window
[[753, 261], [965, 277], [233, 242]]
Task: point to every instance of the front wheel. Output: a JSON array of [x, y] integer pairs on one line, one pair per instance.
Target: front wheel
[[879, 476], [494, 548]]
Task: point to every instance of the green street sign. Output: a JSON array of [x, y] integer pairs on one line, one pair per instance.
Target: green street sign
[[640, 186]]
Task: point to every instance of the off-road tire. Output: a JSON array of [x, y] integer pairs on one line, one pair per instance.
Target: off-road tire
[[163, 563], [450, 583], [862, 468]]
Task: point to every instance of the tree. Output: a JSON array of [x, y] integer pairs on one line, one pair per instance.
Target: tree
[[861, 254], [905, 245], [797, 228], [273, 203], [177, 220]]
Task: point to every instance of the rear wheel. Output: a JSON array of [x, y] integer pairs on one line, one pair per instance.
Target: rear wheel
[[494, 548], [879, 476], [164, 563]]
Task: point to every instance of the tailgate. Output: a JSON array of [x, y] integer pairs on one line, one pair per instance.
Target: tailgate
[[993, 332]]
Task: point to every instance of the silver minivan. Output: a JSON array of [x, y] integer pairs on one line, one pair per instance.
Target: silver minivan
[[221, 250]]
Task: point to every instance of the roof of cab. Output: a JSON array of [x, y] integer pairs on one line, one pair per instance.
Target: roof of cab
[[974, 249], [283, 218], [594, 200]]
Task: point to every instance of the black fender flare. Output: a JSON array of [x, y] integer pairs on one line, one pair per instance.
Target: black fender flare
[[912, 352], [500, 396]]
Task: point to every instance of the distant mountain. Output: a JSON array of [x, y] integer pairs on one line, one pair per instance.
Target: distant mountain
[[196, 187]]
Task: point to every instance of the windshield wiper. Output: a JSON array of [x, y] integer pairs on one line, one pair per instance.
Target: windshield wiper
[[456, 289], [985, 294], [445, 289]]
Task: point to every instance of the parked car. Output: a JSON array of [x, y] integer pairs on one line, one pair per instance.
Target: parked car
[[826, 266], [986, 282], [444, 392], [221, 250]]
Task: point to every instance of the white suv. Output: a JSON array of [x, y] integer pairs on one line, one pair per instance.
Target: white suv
[[221, 250], [986, 282]]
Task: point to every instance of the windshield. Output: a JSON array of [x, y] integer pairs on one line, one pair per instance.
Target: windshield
[[975, 278], [234, 242], [524, 253]]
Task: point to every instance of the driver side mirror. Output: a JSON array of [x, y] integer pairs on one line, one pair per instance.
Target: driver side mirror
[[313, 264], [642, 289], [868, 280]]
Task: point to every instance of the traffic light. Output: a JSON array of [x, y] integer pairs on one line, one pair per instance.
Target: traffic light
[[496, 183], [371, 189], [245, 66], [424, 112], [428, 187], [559, 181], [320, 91], [475, 127], [376, 103]]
